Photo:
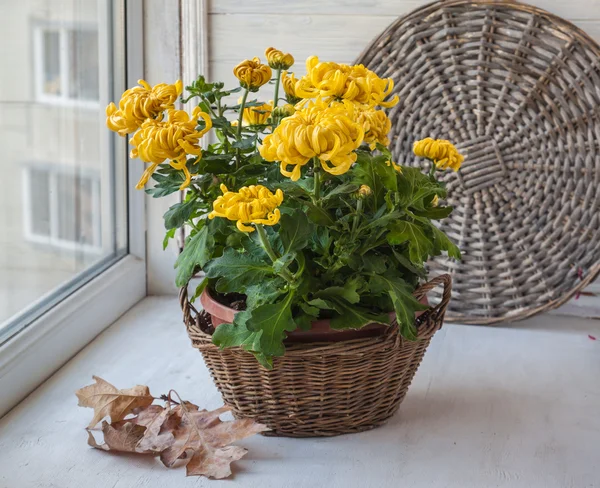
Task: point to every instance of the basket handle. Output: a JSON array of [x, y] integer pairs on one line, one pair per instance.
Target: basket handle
[[434, 316]]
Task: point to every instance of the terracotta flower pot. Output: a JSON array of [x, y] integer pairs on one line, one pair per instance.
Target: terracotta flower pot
[[320, 331]]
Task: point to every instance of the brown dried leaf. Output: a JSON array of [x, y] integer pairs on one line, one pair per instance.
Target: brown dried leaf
[[106, 400], [159, 430], [123, 437], [208, 439]]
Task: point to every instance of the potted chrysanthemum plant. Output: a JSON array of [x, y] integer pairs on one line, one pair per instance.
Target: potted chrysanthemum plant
[[305, 228]]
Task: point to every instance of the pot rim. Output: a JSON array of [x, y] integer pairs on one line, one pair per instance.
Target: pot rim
[[214, 307]]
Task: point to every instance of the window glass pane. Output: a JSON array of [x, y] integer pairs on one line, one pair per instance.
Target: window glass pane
[[63, 184], [39, 201], [51, 62], [83, 65]]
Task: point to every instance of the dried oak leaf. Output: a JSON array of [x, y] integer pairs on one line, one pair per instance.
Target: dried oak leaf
[[106, 400], [123, 436], [203, 435]]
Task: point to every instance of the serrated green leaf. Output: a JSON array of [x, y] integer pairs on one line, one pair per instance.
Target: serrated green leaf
[[419, 245], [199, 289], [236, 271], [197, 251], [375, 263], [436, 213], [179, 213], [295, 231], [340, 190], [348, 292], [414, 187], [260, 331], [352, 316], [443, 243], [246, 143], [265, 292], [405, 304], [319, 215], [170, 234]]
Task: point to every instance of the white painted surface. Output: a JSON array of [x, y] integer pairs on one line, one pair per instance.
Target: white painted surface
[[490, 407], [31, 356]]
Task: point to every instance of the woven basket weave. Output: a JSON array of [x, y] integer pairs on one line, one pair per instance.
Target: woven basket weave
[[321, 389], [518, 90]]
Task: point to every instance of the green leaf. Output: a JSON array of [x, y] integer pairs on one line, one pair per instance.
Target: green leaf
[[260, 331], [365, 173], [197, 251], [374, 263], [442, 242], [414, 187], [236, 271], [320, 303], [419, 245], [405, 304], [319, 215], [246, 143], [265, 292], [295, 231], [199, 289], [169, 235], [387, 173], [355, 317], [179, 213], [340, 190], [436, 213], [348, 292]]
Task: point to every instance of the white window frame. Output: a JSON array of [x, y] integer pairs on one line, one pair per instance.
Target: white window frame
[[52, 240], [52, 338], [64, 48]]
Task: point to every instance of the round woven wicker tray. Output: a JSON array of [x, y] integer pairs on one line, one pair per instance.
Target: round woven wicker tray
[[320, 388], [518, 90]]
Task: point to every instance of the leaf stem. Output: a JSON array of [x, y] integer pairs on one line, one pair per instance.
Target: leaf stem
[[276, 95], [264, 240], [238, 135]]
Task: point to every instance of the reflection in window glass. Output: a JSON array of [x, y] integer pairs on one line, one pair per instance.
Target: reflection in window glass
[[61, 193], [51, 62]]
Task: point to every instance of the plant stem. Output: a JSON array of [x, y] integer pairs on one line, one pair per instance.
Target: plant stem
[[359, 205], [238, 135], [264, 240], [276, 96], [241, 116], [317, 178]]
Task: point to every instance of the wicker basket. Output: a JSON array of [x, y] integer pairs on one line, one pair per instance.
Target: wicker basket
[[518, 90], [321, 389]]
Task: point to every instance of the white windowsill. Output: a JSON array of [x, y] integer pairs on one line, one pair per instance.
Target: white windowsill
[[498, 406]]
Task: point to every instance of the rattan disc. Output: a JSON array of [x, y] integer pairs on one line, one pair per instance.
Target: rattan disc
[[518, 90]]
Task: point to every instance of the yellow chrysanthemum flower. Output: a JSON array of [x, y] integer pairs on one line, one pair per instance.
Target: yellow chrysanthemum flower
[[376, 124], [328, 132], [354, 83], [278, 59], [252, 73], [441, 152], [250, 205], [140, 103], [289, 87], [174, 138], [257, 115]]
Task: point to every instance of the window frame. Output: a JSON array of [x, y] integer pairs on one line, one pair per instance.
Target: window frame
[[49, 340], [53, 239], [63, 30]]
